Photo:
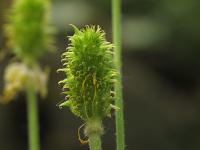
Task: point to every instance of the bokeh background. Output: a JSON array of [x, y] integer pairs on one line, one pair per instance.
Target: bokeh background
[[161, 77]]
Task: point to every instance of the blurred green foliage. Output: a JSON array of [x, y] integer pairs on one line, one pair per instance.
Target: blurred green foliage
[[28, 32]]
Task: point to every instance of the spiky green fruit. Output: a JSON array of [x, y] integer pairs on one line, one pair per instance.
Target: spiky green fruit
[[90, 73], [28, 29]]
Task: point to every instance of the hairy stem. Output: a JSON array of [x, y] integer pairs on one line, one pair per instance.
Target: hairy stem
[[116, 23], [94, 131], [32, 110], [95, 142]]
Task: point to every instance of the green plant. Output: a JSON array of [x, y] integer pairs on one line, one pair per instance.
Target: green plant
[[90, 71], [29, 36], [28, 29], [119, 115]]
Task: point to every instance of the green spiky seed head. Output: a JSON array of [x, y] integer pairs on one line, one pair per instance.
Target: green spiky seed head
[[90, 73], [28, 29]]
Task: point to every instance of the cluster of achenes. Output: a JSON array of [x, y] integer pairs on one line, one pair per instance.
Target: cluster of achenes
[[29, 36], [28, 29], [90, 71]]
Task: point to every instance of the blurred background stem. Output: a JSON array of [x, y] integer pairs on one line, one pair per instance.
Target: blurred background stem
[[32, 110], [119, 116]]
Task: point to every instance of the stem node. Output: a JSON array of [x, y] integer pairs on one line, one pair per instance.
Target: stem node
[[94, 130]]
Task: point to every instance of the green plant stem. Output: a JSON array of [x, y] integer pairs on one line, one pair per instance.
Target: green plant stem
[[95, 142], [32, 110], [94, 131], [116, 25]]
